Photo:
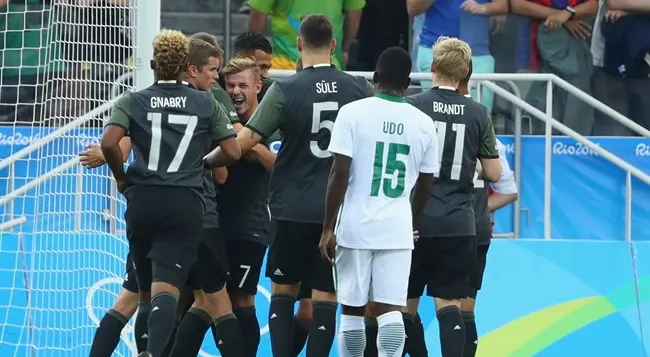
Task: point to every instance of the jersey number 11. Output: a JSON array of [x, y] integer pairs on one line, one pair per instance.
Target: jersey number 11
[[388, 168]]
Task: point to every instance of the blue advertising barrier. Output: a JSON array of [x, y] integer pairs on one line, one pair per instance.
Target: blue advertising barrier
[[538, 299]]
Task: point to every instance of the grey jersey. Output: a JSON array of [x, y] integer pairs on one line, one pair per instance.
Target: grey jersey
[[304, 107], [172, 127], [482, 212], [211, 218], [465, 133]]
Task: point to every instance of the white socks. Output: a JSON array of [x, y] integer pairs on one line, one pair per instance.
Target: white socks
[[352, 336], [391, 335]]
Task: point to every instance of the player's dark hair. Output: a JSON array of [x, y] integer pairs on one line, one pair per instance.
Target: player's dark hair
[[469, 74], [200, 53], [393, 69], [316, 31], [299, 64], [170, 52], [245, 45]]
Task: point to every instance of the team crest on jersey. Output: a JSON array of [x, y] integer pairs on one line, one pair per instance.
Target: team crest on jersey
[[274, 147]]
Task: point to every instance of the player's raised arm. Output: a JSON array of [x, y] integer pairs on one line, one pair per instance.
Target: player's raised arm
[[223, 134], [488, 153], [116, 128], [505, 189], [93, 158]]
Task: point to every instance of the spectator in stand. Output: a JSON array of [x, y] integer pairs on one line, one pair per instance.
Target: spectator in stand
[[558, 36], [475, 30], [384, 24], [285, 18], [621, 80], [441, 18]]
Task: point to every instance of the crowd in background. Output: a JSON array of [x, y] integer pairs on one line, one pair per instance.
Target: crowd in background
[[598, 46]]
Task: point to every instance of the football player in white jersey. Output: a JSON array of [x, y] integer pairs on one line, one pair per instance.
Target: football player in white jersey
[[383, 149]]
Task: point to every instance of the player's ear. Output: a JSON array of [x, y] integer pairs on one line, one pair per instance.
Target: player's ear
[[374, 78], [299, 43], [333, 46], [433, 67], [408, 83], [152, 64], [258, 86], [192, 70]]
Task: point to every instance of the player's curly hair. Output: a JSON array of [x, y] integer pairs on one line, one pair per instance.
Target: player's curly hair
[[240, 64], [451, 58], [170, 50]]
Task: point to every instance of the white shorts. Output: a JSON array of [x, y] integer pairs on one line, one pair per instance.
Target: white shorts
[[364, 275]]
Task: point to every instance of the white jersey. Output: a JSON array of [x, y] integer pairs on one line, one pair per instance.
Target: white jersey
[[390, 143]]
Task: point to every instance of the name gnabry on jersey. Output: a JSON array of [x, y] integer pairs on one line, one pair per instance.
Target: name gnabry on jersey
[[167, 102]]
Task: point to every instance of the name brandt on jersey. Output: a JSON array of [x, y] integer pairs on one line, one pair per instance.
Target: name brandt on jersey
[[167, 102], [323, 87], [449, 109]]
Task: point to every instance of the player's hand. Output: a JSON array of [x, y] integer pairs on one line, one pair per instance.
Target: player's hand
[[92, 157], [556, 20], [578, 29], [472, 7], [614, 15], [121, 185], [327, 246]]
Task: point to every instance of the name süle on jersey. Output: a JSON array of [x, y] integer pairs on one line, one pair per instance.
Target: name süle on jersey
[[323, 87]]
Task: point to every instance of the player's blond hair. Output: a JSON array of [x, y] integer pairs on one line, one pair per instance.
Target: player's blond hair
[[451, 57], [170, 50], [241, 64]]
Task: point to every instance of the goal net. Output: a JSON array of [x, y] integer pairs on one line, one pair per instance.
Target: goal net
[[62, 243]]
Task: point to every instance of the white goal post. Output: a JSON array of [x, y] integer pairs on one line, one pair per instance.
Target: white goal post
[[62, 243]]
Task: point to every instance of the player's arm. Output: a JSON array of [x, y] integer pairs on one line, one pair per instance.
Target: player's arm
[[116, 129], [263, 155], [223, 134], [93, 158], [342, 148], [352, 9], [488, 153], [504, 191], [429, 168], [266, 120], [258, 17]]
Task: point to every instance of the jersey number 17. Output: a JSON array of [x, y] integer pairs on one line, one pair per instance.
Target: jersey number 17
[[156, 119], [389, 168]]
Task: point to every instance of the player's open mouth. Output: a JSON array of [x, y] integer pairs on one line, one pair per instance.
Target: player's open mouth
[[239, 101]]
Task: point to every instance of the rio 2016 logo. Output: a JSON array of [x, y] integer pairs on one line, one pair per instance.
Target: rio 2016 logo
[[108, 284]]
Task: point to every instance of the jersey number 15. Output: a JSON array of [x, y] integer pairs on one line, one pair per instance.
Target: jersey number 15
[[389, 168], [189, 121]]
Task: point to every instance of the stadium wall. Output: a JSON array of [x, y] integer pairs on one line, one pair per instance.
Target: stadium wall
[[586, 296]]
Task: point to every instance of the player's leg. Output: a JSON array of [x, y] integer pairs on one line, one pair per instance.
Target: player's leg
[[245, 258], [107, 336], [389, 290], [322, 331], [467, 305], [371, 330], [353, 273], [454, 258], [304, 317], [286, 266], [185, 302], [174, 218], [419, 275]]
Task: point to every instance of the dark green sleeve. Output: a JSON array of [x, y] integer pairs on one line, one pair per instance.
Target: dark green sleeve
[[224, 99], [488, 148], [221, 128], [370, 89], [121, 113], [269, 116], [266, 84], [274, 137]]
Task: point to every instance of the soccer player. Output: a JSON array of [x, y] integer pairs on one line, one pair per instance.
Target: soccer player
[[445, 252], [209, 274], [504, 192], [383, 148], [304, 108], [245, 218], [258, 48], [170, 126]]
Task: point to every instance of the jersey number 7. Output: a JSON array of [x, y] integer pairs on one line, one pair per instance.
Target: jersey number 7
[[189, 121], [390, 166], [317, 123]]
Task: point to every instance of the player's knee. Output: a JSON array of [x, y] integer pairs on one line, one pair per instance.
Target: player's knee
[[442, 303], [285, 289], [411, 307], [126, 303], [218, 304], [467, 305], [318, 295], [239, 300], [166, 280]]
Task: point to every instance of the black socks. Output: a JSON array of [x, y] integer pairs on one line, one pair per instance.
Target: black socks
[[323, 328], [161, 322], [250, 329], [281, 325], [191, 332], [452, 331], [140, 328], [471, 334], [108, 333], [229, 337]]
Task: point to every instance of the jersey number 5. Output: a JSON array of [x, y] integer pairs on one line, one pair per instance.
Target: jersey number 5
[[390, 166], [156, 137], [459, 145], [317, 124]]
